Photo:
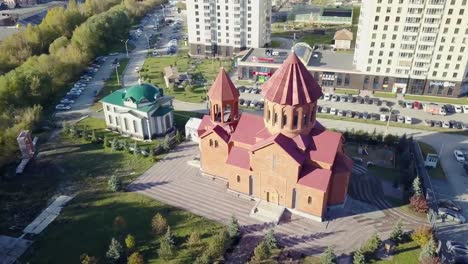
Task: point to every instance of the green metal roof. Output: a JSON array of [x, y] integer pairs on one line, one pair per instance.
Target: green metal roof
[[162, 111], [140, 92]]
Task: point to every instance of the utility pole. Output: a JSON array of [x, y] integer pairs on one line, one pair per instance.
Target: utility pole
[[126, 47], [388, 122], [117, 73]]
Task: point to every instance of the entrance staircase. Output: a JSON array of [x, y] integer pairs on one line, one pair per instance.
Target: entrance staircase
[[267, 212]]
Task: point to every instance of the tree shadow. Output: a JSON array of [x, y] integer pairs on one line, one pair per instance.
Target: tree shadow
[[137, 186]]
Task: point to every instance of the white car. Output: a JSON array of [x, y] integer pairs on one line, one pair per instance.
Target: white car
[[409, 104], [67, 101], [383, 117], [334, 98], [62, 107], [408, 120], [465, 109], [333, 111], [446, 124], [137, 69], [442, 111], [327, 97], [401, 119], [459, 155], [458, 109]]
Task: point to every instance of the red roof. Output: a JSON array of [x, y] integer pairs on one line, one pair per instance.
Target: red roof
[[223, 89], [314, 177], [324, 144], [248, 127], [286, 143], [292, 84], [342, 163], [205, 125], [223, 134], [239, 157], [302, 141]]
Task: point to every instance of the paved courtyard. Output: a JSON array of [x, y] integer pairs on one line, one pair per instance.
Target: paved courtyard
[[174, 182]]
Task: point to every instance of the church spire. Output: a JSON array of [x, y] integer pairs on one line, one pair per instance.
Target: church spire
[[223, 97]]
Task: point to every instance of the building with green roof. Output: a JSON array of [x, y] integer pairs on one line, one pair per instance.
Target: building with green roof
[[141, 111]]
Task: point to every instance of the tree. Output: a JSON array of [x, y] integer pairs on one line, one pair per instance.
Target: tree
[[115, 183], [105, 143], [358, 257], [233, 228], [130, 242], [166, 248], [114, 144], [262, 251], [65, 127], [194, 239], [428, 250], [372, 244], [158, 224], [270, 239], [93, 136], [115, 251], [419, 204], [219, 244], [188, 88], [135, 258], [328, 257], [168, 236], [422, 235], [417, 186], [397, 232], [166, 145], [178, 136], [85, 259], [125, 145], [136, 150]]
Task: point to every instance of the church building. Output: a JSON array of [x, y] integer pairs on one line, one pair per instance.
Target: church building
[[285, 157]]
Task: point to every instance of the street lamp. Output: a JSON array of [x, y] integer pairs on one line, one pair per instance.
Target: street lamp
[[147, 39], [126, 47], [388, 122], [117, 73]]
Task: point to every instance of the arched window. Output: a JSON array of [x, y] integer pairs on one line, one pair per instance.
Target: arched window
[[216, 143], [304, 119], [295, 119], [285, 120], [450, 91], [309, 200], [238, 178], [211, 142], [227, 113], [275, 121], [167, 120]]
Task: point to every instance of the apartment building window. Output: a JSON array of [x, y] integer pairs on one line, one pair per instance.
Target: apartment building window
[[376, 18], [380, 53], [387, 18], [389, 9], [368, 68], [436, 65], [197, 20], [457, 66], [459, 21], [372, 44], [456, 30], [393, 37], [395, 28], [462, 49], [434, 73], [455, 74], [440, 90], [387, 70], [450, 11], [392, 45], [439, 56], [198, 39], [447, 21], [399, 10], [378, 9], [347, 80], [449, 57], [198, 32], [462, 11], [459, 58], [397, 19], [376, 27], [444, 74], [382, 45], [371, 53], [452, 48], [379, 61], [374, 35]]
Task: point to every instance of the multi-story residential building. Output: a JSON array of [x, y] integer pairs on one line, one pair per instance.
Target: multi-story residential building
[[224, 27], [414, 46]]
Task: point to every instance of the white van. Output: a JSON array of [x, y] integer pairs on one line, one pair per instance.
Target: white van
[[327, 97], [333, 111], [408, 120], [383, 117]]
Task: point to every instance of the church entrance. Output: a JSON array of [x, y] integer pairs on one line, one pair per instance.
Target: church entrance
[[272, 197], [250, 185]]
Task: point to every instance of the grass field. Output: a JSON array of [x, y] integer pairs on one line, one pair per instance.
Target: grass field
[[275, 44], [438, 172], [346, 91], [435, 99], [385, 95], [312, 39], [405, 253]]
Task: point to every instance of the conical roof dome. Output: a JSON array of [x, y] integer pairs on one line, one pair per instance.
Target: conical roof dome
[[223, 89], [292, 84]]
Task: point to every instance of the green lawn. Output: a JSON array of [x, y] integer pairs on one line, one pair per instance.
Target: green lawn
[[406, 253], [153, 72], [387, 174], [435, 99], [438, 172], [346, 91], [385, 95], [312, 39], [275, 44], [111, 84]]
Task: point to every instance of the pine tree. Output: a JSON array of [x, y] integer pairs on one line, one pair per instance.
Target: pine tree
[[417, 186], [194, 239], [262, 251], [328, 257], [125, 145], [114, 253], [270, 239], [136, 151], [159, 224], [372, 244], [233, 228], [428, 250], [168, 236], [93, 136], [358, 257], [135, 258], [397, 232], [114, 144], [130, 242], [86, 259], [166, 248], [115, 183], [72, 130], [85, 133]]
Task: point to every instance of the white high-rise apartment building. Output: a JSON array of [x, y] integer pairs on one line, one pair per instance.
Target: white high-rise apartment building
[[225, 27], [420, 46]]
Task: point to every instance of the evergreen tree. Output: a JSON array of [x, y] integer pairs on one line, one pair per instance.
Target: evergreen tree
[[136, 150], [135, 258], [417, 186], [233, 228], [159, 224], [166, 247], [168, 236], [93, 136], [428, 250], [328, 257], [114, 144], [114, 253], [65, 127], [219, 244], [130, 242], [194, 239], [270, 239], [358, 257], [372, 244], [72, 130], [85, 133], [397, 232], [86, 259], [115, 183], [262, 252], [105, 143], [178, 137]]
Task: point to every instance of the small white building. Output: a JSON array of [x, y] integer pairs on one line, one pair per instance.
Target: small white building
[[141, 111], [431, 160], [343, 39], [191, 128]]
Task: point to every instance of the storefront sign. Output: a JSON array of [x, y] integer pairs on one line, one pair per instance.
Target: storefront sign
[[444, 84], [261, 59], [262, 73]]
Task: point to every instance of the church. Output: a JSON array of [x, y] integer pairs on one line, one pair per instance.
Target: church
[[285, 157]]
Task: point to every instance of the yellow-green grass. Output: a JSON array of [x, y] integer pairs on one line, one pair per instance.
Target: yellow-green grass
[[438, 172], [435, 99], [407, 253], [275, 44], [384, 95], [346, 91]]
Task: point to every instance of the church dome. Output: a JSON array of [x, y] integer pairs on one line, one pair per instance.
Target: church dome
[[142, 93]]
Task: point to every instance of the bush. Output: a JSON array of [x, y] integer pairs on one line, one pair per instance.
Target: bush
[[262, 252], [397, 232], [135, 258], [159, 224], [428, 250], [328, 257], [419, 204], [270, 239], [115, 183], [422, 235], [85, 259], [219, 244], [115, 251], [358, 257], [130, 243], [233, 228], [371, 245], [166, 248], [417, 190], [194, 239]]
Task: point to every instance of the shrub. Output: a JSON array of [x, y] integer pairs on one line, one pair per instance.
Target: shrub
[[431, 260], [85, 259], [105, 143], [93, 136], [219, 244], [115, 183], [417, 186], [135, 258], [166, 248], [422, 235], [233, 228], [114, 253], [358, 257], [270, 239], [397, 232], [203, 259], [120, 223], [114, 144], [262, 251], [158, 224], [194, 239], [66, 130], [328, 257], [178, 136], [428, 250], [419, 204], [130, 242], [371, 245]]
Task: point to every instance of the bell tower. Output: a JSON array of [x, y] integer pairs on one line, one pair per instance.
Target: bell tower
[[291, 96], [224, 100]]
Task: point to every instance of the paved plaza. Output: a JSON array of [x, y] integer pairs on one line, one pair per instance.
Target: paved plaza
[[174, 182]]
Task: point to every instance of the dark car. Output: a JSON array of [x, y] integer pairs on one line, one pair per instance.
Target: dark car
[[359, 100], [445, 203], [453, 123], [343, 98], [319, 109], [465, 166], [241, 101], [365, 115], [376, 101], [351, 99], [437, 123], [383, 110], [241, 89], [393, 118], [349, 113], [375, 116], [458, 125], [357, 115], [246, 103], [449, 108], [429, 122], [401, 103], [260, 105]]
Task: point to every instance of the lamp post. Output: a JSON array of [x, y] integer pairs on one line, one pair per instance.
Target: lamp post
[[147, 39], [117, 73], [126, 47], [388, 122]]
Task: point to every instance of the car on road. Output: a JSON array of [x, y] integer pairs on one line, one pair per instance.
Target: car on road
[[374, 116], [343, 98], [459, 155], [334, 98], [246, 103], [155, 53], [458, 109], [327, 97], [400, 119], [408, 120], [409, 104], [376, 101], [359, 100], [325, 110], [449, 108], [446, 124], [449, 204], [333, 111], [62, 107], [67, 101], [428, 122], [341, 113], [253, 103], [357, 115], [451, 215], [349, 113]]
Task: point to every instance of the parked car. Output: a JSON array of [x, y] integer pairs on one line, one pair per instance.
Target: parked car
[[343, 98], [445, 203], [351, 98], [349, 113], [62, 107], [67, 101], [241, 101], [446, 124], [458, 125], [359, 100], [327, 97], [253, 103], [465, 109], [449, 108], [400, 119], [341, 113], [374, 116], [408, 120], [357, 115], [409, 104], [376, 101], [451, 215], [394, 118], [334, 98], [241, 89], [365, 115], [333, 111], [324, 110], [437, 123], [137, 69], [260, 105], [459, 155], [458, 109], [383, 117], [246, 103], [429, 122], [452, 244]]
